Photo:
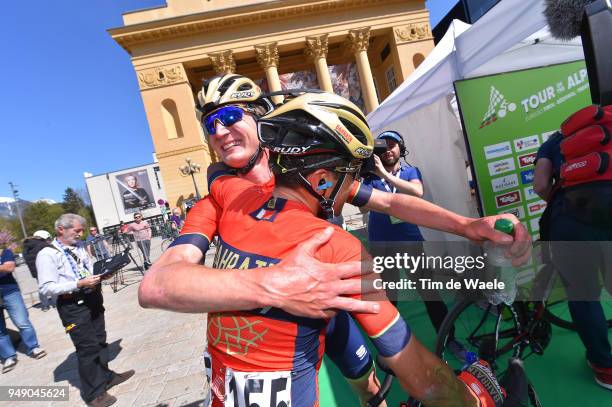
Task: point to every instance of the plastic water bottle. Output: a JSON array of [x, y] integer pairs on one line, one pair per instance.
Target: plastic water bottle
[[496, 252], [506, 273]]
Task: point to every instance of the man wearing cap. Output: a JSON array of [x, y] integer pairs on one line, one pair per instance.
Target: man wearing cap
[[31, 247]]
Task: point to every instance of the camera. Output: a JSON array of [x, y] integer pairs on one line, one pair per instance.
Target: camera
[[368, 167]]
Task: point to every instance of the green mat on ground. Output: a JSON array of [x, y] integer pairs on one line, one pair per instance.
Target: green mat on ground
[[561, 376]]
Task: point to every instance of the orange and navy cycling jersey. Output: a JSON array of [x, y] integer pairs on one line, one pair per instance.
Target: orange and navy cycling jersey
[[201, 224], [267, 352]]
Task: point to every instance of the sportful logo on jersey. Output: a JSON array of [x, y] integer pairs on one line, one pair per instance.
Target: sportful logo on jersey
[[508, 199], [527, 160], [503, 183], [497, 150], [527, 176], [527, 143], [361, 352], [519, 212], [501, 166], [498, 108]]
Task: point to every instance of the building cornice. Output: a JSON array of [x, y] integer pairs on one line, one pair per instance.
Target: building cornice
[[219, 20], [181, 151]]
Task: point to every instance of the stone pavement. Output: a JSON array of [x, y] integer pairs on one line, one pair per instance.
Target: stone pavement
[[164, 348]]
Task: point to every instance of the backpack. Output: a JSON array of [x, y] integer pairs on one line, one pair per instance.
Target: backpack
[[586, 174]]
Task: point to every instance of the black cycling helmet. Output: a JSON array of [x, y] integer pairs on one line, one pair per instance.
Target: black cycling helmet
[[317, 125]]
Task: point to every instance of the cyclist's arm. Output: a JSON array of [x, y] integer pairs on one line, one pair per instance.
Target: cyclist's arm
[[299, 284], [423, 375], [423, 213], [427, 378]]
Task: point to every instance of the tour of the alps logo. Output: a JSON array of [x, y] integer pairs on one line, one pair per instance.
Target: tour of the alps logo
[[498, 108]]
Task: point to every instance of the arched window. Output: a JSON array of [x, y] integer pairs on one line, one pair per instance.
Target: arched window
[[417, 59], [171, 119]]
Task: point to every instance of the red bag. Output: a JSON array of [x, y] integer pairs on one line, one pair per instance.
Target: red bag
[[588, 116]]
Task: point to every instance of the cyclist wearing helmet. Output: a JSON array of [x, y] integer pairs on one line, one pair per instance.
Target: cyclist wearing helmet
[[318, 143], [224, 102]]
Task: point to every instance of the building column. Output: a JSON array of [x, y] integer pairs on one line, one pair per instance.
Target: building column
[[223, 62], [316, 50], [358, 41], [409, 40], [267, 57]]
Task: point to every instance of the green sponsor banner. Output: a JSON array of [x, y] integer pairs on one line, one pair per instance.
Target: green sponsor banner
[[506, 118]]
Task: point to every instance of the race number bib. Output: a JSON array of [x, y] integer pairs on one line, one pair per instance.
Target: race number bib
[[257, 389], [247, 389]]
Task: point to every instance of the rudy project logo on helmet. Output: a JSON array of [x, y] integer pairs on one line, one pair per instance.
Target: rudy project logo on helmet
[[290, 150], [243, 94], [498, 107]]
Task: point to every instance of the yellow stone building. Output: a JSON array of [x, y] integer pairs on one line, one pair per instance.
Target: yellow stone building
[[174, 47]]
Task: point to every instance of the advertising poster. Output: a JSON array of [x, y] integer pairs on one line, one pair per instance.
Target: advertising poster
[[506, 118], [135, 191]]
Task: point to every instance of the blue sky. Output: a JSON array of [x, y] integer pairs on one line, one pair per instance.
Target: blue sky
[[70, 100]]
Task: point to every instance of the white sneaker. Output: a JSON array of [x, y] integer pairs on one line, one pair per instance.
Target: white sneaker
[[9, 364], [38, 353]]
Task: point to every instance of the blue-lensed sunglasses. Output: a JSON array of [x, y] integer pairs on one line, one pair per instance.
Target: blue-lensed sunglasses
[[227, 115]]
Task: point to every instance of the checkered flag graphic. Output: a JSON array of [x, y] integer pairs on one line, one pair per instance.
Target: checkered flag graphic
[[497, 103]]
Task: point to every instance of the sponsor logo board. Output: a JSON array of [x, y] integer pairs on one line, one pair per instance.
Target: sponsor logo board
[[526, 143], [535, 225], [519, 212], [505, 182], [527, 176], [526, 160], [507, 199], [497, 150], [501, 166], [530, 194], [535, 208]]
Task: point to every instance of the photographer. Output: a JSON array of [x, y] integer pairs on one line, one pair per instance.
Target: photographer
[[97, 246], [65, 272], [391, 176]]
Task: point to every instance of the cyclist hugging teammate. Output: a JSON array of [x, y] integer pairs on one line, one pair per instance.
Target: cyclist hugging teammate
[[270, 350]]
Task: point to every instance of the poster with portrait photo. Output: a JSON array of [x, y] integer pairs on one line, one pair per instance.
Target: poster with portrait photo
[[135, 191]]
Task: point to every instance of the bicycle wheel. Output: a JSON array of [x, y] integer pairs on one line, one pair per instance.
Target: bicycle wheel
[[482, 328], [558, 314]]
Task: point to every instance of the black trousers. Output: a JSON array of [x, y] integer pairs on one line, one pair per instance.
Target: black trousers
[[83, 319]]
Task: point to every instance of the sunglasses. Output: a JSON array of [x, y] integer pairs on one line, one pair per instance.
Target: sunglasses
[[137, 217], [227, 116]]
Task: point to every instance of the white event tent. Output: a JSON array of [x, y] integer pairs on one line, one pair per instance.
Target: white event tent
[[513, 35]]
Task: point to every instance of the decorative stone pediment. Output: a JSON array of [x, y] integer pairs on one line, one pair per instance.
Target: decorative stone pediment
[[412, 32], [161, 76]]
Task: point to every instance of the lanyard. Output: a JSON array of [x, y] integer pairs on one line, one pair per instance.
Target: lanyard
[[386, 185], [80, 274]]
